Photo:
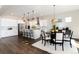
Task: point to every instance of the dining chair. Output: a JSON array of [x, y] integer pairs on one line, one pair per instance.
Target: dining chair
[[53, 35], [59, 39], [68, 37], [45, 37], [71, 38], [67, 33]]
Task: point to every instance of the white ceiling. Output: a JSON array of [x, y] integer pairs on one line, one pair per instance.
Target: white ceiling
[[40, 10]]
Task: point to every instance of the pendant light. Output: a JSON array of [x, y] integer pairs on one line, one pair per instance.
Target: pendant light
[[54, 20], [33, 15], [23, 18], [28, 16]]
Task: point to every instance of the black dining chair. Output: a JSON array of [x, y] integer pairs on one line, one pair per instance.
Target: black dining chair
[[45, 37], [59, 39], [53, 35], [71, 39], [68, 37]]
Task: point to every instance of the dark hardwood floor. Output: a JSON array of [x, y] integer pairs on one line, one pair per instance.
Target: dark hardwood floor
[[18, 45]]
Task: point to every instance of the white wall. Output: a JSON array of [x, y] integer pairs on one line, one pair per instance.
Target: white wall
[[74, 25], [6, 23], [46, 24], [0, 28]]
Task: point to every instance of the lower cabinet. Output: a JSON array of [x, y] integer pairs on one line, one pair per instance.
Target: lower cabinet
[[33, 33], [36, 33]]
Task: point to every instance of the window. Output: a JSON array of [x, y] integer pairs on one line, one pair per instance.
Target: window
[[68, 19]]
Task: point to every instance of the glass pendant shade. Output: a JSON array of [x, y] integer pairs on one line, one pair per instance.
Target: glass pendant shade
[[54, 19]]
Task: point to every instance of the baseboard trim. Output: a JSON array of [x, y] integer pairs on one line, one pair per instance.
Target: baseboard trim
[[8, 36]]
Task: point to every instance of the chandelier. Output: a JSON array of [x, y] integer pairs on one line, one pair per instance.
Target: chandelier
[[54, 19], [33, 17], [30, 17], [24, 18]]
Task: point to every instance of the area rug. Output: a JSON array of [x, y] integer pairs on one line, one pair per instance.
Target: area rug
[[51, 48]]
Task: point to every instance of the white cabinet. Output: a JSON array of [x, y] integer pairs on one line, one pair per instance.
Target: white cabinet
[[8, 27], [33, 33], [36, 33]]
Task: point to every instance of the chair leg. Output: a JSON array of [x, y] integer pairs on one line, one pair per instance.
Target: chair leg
[[55, 46], [50, 42], [62, 47], [70, 44], [44, 43]]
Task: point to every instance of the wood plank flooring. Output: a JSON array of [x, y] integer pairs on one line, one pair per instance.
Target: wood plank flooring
[[17, 45]]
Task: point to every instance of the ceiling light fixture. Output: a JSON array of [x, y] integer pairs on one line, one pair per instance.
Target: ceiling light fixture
[[33, 15], [54, 15], [24, 18], [30, 18], [54, 19]]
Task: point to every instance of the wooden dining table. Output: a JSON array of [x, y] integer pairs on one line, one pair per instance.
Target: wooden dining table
[[53, 34]]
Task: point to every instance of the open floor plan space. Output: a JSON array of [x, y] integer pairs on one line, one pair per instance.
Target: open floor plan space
[[39, 29]]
